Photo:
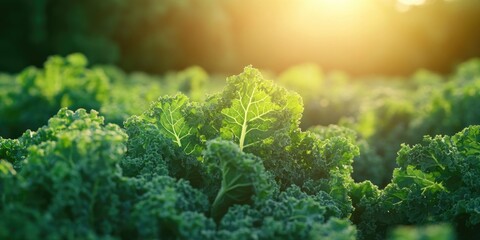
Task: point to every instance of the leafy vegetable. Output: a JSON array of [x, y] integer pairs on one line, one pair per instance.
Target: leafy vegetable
[[243, 176], [292, 214], [235, 164], [64, 82], [254, 109], [437, 181], [176, 121]]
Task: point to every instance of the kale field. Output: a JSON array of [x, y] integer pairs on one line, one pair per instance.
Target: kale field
[[93, 152]]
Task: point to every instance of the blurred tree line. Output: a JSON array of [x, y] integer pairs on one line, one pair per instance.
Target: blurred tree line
[[367, 36]]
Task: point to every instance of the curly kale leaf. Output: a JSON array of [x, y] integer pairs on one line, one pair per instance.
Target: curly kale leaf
[[364, 199], [152, 153], [468, 141], [64, 82], [412, 176], [242, 176], [437, 181], [367, 164], [316, 161], [334, 229], [177, 119], [64, 120], [250, 113], [291, 214], [253, 110], [67, 180], [13, 151], [170, 209]]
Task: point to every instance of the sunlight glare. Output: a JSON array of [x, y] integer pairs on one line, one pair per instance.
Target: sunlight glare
[[412, 2], [331, 7], [331, 4], [405, 5]]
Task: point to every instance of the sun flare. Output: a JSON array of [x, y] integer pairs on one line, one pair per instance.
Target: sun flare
[[412, 2], [331, 5]]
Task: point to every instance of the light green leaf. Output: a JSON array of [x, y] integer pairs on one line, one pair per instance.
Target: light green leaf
[[249, 117], [175, 117]]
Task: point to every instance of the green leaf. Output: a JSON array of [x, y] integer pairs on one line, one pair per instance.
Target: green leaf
[[243, 176], [176, 119], [468, 141], [249, 112], [414, 176], [253, 113]]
